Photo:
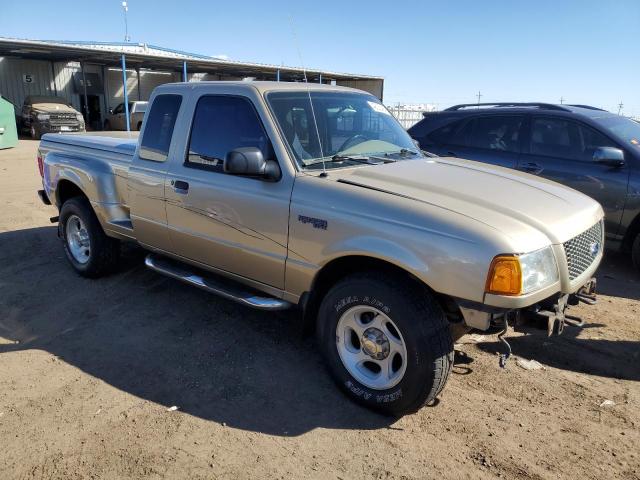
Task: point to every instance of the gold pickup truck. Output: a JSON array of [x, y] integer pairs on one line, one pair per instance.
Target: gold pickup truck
[[289, 195]]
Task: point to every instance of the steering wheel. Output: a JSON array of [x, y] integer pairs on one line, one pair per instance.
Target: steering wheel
[[351, 141]]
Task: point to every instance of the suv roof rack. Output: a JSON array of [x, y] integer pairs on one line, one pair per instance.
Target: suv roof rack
[[548, 106], [588, 107]]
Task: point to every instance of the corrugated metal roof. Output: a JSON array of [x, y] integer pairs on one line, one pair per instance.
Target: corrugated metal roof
[[145, 52]]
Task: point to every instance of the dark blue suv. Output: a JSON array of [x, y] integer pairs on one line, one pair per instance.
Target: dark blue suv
[[586, 148]]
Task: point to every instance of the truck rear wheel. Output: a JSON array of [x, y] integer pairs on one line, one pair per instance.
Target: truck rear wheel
[[386, 341], [90, 252]]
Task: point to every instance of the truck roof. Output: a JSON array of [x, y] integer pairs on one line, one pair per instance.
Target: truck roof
[[261, 86]]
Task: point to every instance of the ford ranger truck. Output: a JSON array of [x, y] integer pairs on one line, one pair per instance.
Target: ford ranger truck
[[280, 195]]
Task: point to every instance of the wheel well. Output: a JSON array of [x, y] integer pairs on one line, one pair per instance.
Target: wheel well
[[339, 268], [631, 233], [66, 190]]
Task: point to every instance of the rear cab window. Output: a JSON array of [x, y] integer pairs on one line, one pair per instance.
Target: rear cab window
[[158, 131]]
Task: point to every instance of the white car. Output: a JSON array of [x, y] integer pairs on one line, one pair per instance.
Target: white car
[[117, 120]]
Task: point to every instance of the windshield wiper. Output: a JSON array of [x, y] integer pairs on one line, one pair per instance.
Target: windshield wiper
[[342, 158]]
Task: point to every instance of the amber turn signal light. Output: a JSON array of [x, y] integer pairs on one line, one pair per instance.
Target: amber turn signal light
[[505, 276]]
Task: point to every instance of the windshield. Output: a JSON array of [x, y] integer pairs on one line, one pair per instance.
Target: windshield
[[622, 127], [350, 127]]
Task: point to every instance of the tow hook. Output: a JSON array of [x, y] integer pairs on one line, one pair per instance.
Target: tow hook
[[556, 318], [586, 294]]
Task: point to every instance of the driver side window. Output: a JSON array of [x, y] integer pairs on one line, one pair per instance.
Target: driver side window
[[220, 124], [119, 109]]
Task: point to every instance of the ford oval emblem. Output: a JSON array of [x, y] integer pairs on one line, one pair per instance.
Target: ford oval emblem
[[594, 248]]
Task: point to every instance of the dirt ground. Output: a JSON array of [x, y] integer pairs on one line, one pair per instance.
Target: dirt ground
[[89, 370]]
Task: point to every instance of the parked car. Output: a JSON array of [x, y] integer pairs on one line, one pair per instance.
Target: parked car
[[586, 148], [279, 195], [49, 114], [117, 118]]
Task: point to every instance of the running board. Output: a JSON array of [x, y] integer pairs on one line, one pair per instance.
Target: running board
[[226, 290]]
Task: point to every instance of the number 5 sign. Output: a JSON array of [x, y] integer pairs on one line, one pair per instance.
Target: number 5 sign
[[27, 78]]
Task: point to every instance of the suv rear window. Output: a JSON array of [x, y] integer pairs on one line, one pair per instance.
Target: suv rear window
[[159, 129]]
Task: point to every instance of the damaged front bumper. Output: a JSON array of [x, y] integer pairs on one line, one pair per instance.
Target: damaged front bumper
[[552, 310]]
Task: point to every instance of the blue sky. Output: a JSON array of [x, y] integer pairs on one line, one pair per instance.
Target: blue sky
[[443, 52]]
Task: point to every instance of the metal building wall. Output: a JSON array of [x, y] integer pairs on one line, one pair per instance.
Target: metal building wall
[[373, 86], [115, 92], [150, 79], [12, 82], [64, 81]]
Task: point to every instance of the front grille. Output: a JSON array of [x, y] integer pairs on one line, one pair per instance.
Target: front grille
[[583, 249], [63, 119]]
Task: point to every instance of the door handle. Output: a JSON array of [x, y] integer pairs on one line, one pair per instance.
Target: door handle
[[180, 186], [531, 167]]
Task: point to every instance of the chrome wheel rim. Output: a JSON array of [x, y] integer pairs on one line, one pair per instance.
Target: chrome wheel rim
[[78, 239], [371, 347]]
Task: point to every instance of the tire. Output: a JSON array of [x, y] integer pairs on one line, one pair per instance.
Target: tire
[[420, 325], [107, 125], [139, 126], [635, 252], [34, 133], [91, 253]]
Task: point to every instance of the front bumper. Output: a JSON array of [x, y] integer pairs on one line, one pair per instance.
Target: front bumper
[[552, 307], [46, 127]]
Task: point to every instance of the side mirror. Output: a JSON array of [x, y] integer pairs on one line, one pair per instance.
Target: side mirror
[[111, 111], [250, 161], [611, 156]]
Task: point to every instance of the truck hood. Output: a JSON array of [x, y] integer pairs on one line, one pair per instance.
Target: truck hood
[[519, 205], [52, 108]]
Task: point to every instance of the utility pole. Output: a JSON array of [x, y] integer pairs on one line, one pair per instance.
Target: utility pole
[[479, 97], [620, 105], [125, 9], [561, 100]]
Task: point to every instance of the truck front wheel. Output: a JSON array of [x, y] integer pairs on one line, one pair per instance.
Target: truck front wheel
[[90, 252], [386, 342]]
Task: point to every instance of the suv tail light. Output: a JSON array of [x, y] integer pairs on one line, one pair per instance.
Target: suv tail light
[[40, 164]]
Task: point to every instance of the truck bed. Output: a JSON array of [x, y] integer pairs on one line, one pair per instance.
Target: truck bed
[[123, 143], [100, 164]]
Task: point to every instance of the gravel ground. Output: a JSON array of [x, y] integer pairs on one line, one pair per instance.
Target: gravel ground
[[89, 371]]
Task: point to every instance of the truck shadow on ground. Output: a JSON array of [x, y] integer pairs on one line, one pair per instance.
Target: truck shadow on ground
[[570, 351], [617, 277], [169, 343]]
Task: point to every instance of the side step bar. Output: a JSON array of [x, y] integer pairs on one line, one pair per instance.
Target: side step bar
[[229, 290]]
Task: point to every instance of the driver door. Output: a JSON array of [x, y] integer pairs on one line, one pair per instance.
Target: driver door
[[229, 222]]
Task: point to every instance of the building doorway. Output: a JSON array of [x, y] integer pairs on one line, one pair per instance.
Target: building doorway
[[93, 114]]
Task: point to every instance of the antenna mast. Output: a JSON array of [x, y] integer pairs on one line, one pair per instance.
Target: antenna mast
[[313, 113], [125, 9]]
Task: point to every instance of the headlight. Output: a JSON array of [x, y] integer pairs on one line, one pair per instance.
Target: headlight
[[522, 274], [79, 117], [43, 116]]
